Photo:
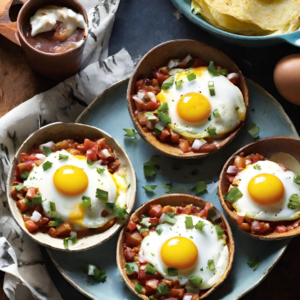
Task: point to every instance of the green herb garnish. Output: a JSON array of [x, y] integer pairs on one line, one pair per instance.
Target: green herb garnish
[[28, 202], [56, 222], [109, 207], [200, 225], [18, 187], [149, 188], [163, 107], [66, 241], [189, 222], [63, 156], [210, 265], [168, 83], [212, 132], [86, 202], [162, 289], [219, 230], [214, 72], [165, 119], [172, 271], [131, 267], [138, 288], [178, 84], [195, 280], [257, 167], [120, 212], [294, 201], [37, 199], [25, 175], [199, 188], [297, 178], [150, 270], [254, 130], [89, 162], [100, 170], [52, 206], [233, 195], [47, 151], [102, 195], [130, 132], [216, 114], [211, 88], [151, 167], [253, 263], [191, 76]]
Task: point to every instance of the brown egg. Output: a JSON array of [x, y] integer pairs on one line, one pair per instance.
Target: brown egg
[[287, 78]]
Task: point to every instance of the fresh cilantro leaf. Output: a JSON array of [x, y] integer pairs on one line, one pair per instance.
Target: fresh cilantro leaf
[[253, 263], [47, 151], [99, 275], [212, 132], [214, 72], [151, 167], [162, 289], [102, 195], [120, 212], [257, 167], [100, 170], [130, 133], [89, 162], [66, 241], [254, 130], [149, 188]]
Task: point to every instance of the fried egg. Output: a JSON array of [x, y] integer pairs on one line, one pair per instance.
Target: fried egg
[[188, 250], [266, 190], [68, 180], [193, 110]]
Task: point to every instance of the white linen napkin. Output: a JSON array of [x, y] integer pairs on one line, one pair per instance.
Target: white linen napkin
[[20, 258]]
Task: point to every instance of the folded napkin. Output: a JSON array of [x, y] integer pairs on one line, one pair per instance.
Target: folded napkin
[[20, 258]]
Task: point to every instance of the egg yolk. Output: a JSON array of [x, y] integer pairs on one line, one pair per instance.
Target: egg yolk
[[70, 180], [179, 252], [193, 107], [266, 189]]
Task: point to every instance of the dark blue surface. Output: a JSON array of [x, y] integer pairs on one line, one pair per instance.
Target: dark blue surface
[[141, 25]]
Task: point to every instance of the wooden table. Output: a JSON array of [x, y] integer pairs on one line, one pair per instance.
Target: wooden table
[[19, 83]]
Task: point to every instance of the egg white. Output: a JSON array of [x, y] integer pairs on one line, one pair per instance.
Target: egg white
[[209, 247], [228, 100], [276, 212], [65, 205]]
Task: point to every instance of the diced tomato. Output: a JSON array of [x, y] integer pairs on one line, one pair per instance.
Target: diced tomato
[[133, 239], [140, 106], [129, 255], [289, 227], [30, 193], [31, 226], [245, 226], [196, 210], [165, 135], [177, 292], [155, 211], [131, 225], [184, 145], [152, 283], [91, 155], [198, 63], [151, 106], [104, 213], [154, 220], [23, 207], [52, 232], [161, 77], [64, 230], [174, 137], [139, 84], [87, 144], [42, 221], [208, 147], [280, 229], [204, 211]]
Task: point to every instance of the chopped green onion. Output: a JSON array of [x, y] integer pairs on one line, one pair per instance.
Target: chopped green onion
[[200, 225], [24, 175], [178, 84], [149, 188], [102, 195], [143, 229], [66, 241], [191, 289], [214, 72], [150, 116], [130, 132], [191, 76], [62, 156], [131, 267], [47, 151], [52, 206], [253, 263], [168, 83], [109, 207], [100, 170], [138, 288], [47, 165], [163, 107], [212, 132], [211, 265], [233, 195], [189, 222], [254, 130], [158, 128], [195, 280], [219, 230], [170, 220], [145, 222], [210, 214], [150, 270], [211, 88], [216, 114], [89, 162], [162, 289], [172, 271], [294, 201], [257, 167], [120, 212], [170, 214], [86, 202], [37, 199], [165, 119], [297, 178], [56, 222], [18, 187], [28, 202]]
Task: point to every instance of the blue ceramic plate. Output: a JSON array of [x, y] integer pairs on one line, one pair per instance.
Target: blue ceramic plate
[[109, 112], [184, 6]]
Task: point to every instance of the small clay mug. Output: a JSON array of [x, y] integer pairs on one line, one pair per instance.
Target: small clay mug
[[56, 66]]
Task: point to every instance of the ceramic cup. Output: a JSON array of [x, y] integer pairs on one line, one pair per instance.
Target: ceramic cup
[[56, 66]]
